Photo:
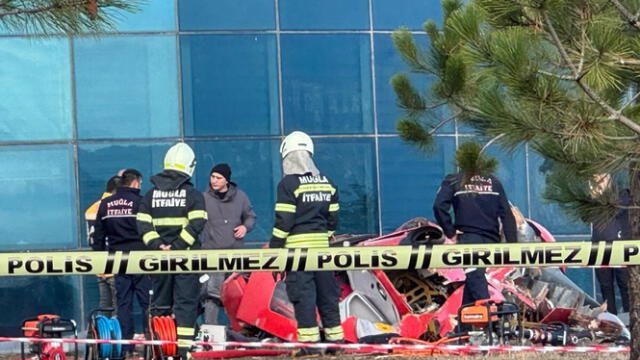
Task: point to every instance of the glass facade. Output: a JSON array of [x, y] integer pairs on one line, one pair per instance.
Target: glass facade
[[324, 15], [230, 78], [126, 87], [326, 83], [35, 97], [225, 93]]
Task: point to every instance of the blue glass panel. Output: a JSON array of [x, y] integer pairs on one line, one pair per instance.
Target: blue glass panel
[[256, 169], [230, 84], [324, 15], [583, 278], [27, 296], [99, 162], [39, 202], [154, 15], [389, 63], [547, 214], [512, 172], [35, 97], [391, 14], [326, 81], [127, 87], [227, 15], [409, 179], [350, 164]]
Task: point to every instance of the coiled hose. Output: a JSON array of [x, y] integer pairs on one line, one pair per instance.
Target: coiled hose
[[116, 333], [109, 329], [104, 333], [165, 329]]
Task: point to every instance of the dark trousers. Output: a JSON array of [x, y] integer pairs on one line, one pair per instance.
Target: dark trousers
[[107, 291], [181, 293], [475, 285], [309, 289], [128, 287], [608, 277]]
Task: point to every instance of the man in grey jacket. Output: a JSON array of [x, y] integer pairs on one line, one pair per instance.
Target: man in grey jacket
[[230, 217]]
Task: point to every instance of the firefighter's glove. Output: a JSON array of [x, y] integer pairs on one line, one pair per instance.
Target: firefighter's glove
[[276, 243], [154, 244], [179, 244]]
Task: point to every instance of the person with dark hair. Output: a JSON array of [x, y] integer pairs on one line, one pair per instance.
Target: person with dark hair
[[106, 282], [480, 207], [116, 230], [231, 217], [90, 213], [617, 228]]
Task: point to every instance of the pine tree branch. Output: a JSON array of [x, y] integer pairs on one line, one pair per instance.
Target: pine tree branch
[[625, 61], [63, 16], [524, 14], [558, 76], [443, 122], [435, 106], [627, 207], [494, 139], [619, 138], [590, 92], [633, 20], [41, 9], [466, 108], [559, 45], [631, 101], [583, 47]]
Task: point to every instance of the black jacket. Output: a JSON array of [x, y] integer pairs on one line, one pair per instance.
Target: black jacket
[[618, 227], [477, 207], [172, 213], [115, 224], [306, 212]]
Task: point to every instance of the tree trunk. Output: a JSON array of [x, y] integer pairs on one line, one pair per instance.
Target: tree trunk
[[634, 311], [634, 271]]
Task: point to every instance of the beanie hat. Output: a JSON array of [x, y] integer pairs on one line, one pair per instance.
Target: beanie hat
[[222, 169]]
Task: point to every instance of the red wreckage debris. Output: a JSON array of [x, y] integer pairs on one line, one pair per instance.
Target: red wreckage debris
[[535, 306]]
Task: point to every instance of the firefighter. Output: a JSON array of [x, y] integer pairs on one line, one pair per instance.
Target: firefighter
[[306, 216], [480, 207], [171, 217], [115, 230]]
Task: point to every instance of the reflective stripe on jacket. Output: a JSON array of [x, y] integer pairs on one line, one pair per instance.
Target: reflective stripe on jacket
[[172, 213], [306, 212]]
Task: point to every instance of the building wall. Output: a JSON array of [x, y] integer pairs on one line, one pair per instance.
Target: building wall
[[231, 78]]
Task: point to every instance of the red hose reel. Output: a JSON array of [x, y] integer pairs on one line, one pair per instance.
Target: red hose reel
[[163, 328]]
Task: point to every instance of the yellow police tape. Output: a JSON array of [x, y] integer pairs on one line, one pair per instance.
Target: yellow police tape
[[625, 252]]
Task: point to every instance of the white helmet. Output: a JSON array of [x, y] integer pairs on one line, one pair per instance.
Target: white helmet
[[297, 140], [181, 158]]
